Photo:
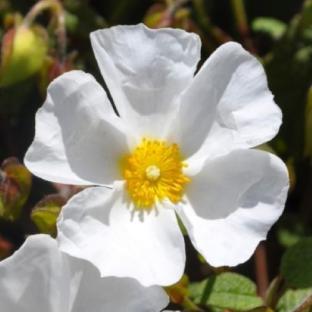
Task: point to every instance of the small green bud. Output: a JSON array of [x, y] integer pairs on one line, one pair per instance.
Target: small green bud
[[23, 52]]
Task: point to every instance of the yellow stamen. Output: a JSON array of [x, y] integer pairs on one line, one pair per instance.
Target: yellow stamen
[[154, 172]]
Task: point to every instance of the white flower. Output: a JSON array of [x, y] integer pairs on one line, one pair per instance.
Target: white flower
[[38, 277], [181, 145]]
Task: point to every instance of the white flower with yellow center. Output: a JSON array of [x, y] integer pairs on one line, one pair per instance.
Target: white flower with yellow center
[[179, 145]]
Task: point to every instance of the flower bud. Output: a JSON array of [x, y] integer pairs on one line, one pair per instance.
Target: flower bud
[[22, 55], [15, 183], [45, 213]]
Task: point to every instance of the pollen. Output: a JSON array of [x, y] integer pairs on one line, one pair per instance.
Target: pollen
[[154, 172]]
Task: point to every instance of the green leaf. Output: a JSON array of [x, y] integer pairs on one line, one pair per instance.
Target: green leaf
[[292, 49], [296, 266], [45, 214], [291, 230], [227, 291], [271, 26], [306, 20], [292, 299]]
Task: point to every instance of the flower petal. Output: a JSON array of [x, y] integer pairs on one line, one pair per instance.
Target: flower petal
[[232, 203], [96, 294], [39, 277], [97, 225], [230, 104], [78, 139], [146, 70], [26, 279]]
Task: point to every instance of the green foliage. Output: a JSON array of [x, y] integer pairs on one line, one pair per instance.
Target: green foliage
[[270, 26], [227, 291], [290, 230], [81, 19], [289, 68], [45, 214], [292, 299], [296, 264]]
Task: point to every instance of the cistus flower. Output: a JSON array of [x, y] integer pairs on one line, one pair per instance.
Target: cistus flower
[[178, 146], [38, 277]]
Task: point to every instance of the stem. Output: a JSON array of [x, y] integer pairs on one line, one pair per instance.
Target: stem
[[38, 8], [241, 21], [261, 269], [61, 34], [189, 305], [240, 16], [57, 10], [207, 290], [274, 292]]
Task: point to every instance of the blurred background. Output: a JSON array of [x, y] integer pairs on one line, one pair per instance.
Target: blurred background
[[42, 39]]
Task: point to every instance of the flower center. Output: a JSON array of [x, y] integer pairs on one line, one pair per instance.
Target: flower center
[[154, 172]]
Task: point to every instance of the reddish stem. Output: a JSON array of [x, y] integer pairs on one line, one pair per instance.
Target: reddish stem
[[261, 269]]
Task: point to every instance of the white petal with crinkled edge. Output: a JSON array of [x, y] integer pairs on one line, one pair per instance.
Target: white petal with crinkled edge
[[39, 277], [230, 104], [35, 278], [97, 225], [232, 203], [78, 138], [146, 70]]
